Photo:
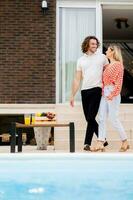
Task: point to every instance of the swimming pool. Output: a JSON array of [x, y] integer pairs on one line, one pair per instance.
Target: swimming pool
[[66, 177]]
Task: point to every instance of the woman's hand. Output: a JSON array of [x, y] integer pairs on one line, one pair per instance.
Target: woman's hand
[[110, 98]]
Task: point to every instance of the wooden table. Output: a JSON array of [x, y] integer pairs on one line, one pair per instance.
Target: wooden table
[[17, 129]]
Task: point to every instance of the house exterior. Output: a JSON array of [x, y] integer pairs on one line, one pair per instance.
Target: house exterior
[[38, 50]]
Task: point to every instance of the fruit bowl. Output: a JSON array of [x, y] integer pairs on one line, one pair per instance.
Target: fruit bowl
[[48, 116]]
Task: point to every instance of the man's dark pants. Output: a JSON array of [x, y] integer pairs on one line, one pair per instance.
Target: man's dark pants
[[90, 102]]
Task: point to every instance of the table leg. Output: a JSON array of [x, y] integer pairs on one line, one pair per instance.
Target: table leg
[[19, 131], [72, 137], [13, 137]]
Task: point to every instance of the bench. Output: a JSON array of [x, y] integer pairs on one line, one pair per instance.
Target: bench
[[17, 129]]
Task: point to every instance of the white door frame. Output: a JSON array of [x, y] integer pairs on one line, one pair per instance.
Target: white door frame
[[97, 4], [70, 4]]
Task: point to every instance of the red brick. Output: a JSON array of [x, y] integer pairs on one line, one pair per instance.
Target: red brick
[[27, 52]]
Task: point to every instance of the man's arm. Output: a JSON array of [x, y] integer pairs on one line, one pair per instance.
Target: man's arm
[[75, 86]]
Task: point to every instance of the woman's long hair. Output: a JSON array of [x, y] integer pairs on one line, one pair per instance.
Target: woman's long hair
[[117, 52]]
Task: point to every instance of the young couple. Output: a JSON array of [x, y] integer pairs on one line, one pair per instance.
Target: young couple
[[102, 78]]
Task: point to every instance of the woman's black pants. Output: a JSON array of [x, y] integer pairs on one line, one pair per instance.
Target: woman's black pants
[[90, 102]]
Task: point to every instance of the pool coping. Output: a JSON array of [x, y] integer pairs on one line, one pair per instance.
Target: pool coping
[[68, 156]]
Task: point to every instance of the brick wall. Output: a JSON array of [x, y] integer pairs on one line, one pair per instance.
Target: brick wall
[[27, 52]]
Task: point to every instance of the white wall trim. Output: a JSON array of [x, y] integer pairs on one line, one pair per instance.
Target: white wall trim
[[7, 109], [115, 3], [99, 28], [117, 7], [25, 108], [76, 4], [57, 53]]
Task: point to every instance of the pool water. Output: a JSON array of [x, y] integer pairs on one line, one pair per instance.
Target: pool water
[[66, 177]]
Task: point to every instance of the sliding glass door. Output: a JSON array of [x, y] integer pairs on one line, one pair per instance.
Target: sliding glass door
[[74, 25]]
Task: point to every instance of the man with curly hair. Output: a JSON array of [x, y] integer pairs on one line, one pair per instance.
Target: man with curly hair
[[89, 71]]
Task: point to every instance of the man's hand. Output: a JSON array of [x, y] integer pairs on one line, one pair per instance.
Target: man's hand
[[72, 101], [75, 86]]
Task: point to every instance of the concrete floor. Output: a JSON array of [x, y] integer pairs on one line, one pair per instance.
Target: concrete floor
[[112, 148]]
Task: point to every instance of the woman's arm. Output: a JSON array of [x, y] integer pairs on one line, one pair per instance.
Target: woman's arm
[[117, 77]]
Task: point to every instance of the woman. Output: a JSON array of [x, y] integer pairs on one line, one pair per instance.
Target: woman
[[110, 101]]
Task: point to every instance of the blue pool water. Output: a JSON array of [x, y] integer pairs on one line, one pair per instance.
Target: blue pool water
[[66, 177]]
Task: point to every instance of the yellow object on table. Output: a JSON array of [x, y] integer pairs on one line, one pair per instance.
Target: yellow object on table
[[27, 119], [33, 118], [38, 114]]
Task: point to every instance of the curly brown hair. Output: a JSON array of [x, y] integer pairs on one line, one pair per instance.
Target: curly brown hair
[[85, 44]]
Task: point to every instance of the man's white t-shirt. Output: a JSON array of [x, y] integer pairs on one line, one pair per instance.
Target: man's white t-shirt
[[92, 69]]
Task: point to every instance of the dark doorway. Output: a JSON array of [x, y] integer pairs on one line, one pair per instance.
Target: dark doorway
[[118, 29]]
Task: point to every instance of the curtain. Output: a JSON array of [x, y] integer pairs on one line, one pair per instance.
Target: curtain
[[74, 25]]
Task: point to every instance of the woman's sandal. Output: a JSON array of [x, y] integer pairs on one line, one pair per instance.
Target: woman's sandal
[[100, 148], [123, 149]]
